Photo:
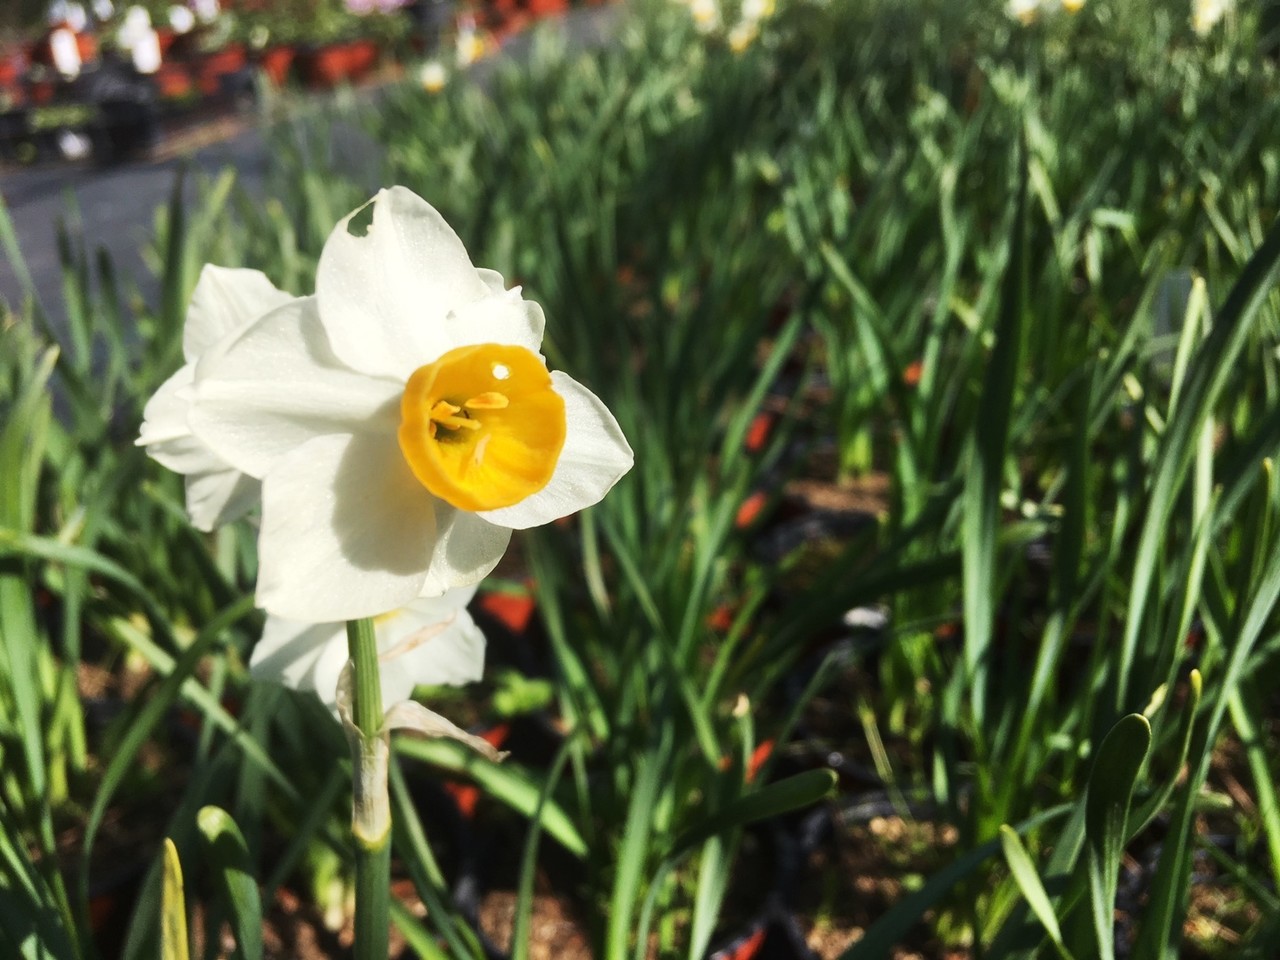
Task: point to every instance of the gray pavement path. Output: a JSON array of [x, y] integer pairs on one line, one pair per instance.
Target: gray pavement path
[[114, 207], [106, 207]]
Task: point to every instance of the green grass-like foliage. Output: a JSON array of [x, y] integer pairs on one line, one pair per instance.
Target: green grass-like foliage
[[1025, 278]]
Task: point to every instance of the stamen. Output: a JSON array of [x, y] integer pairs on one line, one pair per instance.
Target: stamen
[[453, 423], [443, 414], [490, 400]]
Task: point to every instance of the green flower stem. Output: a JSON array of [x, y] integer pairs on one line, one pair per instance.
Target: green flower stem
[[373, 901], [362, 647], [371, 819]]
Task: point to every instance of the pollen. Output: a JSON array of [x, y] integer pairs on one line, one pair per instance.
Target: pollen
[[482, 427]]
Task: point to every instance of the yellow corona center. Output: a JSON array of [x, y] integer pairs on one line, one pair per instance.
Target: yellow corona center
[[482, 428]]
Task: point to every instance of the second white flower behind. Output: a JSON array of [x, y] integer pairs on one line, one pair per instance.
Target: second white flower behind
[[224, 304], [432, 642], [402, 420]]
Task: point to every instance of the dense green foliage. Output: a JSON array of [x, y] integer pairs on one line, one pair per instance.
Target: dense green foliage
[[1024, 276]]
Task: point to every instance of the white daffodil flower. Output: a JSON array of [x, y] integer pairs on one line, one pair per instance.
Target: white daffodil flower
[[1205, 14], [225, 302], [743, 34], [1025, 12], [429, 641], [468, 47], [402, 421], [706, 15], [181, 19], [433, 76]]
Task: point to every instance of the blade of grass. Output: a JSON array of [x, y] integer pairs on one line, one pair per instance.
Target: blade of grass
[[984, 480]]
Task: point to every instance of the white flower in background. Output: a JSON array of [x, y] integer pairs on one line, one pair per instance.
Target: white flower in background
[[1025, 12], [146, 54], [433, 76], [103, 9], [71, 14], [206, 11], [427, 642], [65, 52], [136, 23], [1205, 14], [468, 46], [756, 10], [181, 19], [706, 15], [139, 40], [402, 421], [73, 145], [225, 302], [742, 35]]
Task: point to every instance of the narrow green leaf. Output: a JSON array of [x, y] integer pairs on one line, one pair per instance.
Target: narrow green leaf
[[13, 253], [521, 936], [1109, 795], [415, 934], [32, 912], [142, 724], [651, 772], [1186, 727], [410, 838], [985, 477], [888, 931], [505, 782], [1245, 713], [715, 869], [793, 793], [1207, 376], [173, 917], [1028, 880], [228, 855], [1161, 929]]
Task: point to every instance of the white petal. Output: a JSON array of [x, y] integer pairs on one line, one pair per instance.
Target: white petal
[[426, 642], [289, 651], [347, 531], [278, 385], [186, 455], [217, 493], [384, 295], [226, 300], [497, 319], [446, 652], [165, 416], [467, 548], [219, 497], [439, 607], [494, 282], [595, 456]]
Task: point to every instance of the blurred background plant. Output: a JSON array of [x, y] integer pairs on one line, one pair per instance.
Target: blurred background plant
[[948, 349]]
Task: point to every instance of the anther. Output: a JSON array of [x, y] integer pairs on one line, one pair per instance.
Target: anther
[[492, 400]]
